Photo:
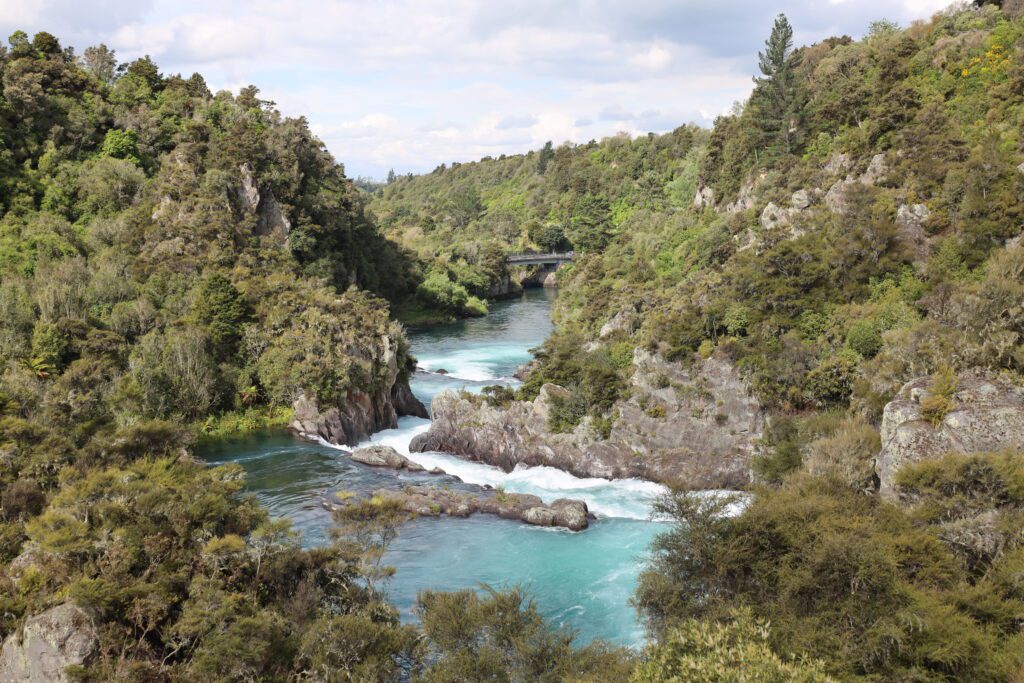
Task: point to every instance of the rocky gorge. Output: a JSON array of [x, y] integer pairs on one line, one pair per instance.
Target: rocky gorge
[[694, 426]]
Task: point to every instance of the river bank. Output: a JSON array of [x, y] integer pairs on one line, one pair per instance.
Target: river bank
[[582, 580]]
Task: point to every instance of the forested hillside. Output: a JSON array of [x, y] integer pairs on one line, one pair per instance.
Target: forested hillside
[[854, 226]]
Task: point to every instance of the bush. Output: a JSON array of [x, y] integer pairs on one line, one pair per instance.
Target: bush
[[734, 651], [437, 290], [864, 338]]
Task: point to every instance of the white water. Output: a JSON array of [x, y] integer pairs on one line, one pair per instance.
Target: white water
[[619, 498]]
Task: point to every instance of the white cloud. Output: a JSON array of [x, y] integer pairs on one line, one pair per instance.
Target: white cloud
[[656, 58], [412, 83]]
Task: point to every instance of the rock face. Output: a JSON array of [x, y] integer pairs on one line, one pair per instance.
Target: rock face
[[696, 426], [385, 456], [835, 198], [986, 415], [431, 501], [60, 637], [359, 414], [270, 216], [704, 199], [910, 219]]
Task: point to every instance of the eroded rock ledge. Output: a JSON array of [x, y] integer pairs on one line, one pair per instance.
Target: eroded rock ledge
[[985, 415], [360, 413], [433, 501], [696, 426]]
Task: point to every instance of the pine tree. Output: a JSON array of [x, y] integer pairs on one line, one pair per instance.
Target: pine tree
[[774, 96], [391, 176]]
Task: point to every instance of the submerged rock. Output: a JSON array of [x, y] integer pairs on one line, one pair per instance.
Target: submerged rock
[[51, 641], [985, 415]]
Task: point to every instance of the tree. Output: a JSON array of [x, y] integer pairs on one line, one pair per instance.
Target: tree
[[391, 176], [547, 153], [101, 62], [774, 95]]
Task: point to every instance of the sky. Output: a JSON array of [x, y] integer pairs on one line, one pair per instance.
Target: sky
[[410, 84]]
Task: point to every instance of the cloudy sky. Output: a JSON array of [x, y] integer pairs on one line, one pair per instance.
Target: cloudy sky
[[408, 84]]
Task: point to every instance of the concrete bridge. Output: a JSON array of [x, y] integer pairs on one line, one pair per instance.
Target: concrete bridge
[[548, 260]]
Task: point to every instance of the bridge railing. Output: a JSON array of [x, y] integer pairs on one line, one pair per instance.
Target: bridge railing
[[551, 256]]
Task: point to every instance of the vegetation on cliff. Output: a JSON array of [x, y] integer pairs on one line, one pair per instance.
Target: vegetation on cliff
[[853, 226]]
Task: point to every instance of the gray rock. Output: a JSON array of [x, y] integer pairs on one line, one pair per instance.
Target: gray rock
[[247, 194], [875, 171], [358, 414], [801, 200], [838, 163], [1021, 168], [51, 641], [271, 219], [431, 501], [570, 513], [623, 321], [385, 456], [987, 415], [704, 438], [704, 199], [910, 231], [539, 516], [774, 216], [745, 199]]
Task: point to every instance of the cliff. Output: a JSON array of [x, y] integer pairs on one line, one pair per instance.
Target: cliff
[[695, 426]]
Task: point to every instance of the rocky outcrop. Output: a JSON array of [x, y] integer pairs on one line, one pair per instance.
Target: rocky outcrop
[[910, 219], [432, 501], [745, 199], [505, 287], [839, 162], [835, 198], [696, 426], [704, 199], [985, 415], [551, 280], [385, 456], [60, 637], [625, 321], [270, 216], [360, 412]]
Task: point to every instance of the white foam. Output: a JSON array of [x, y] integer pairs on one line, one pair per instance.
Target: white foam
[[612, 498]]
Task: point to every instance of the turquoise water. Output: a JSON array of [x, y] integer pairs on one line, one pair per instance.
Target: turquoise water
[[581, 580]]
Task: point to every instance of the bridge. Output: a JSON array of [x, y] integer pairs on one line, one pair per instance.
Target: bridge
[[532, 259]]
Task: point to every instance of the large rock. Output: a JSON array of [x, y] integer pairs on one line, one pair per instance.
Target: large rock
[[385, 456], [359, 413], [433, 501], [835, 198], [986, 415], [695, 425], [60, 637], [910, 219], [704, 199]]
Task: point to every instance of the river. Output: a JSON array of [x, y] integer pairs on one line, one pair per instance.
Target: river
[[582, 580]]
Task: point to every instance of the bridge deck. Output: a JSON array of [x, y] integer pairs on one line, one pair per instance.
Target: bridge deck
[[533, 259]]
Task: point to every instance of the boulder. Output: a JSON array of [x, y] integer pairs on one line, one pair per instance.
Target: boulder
[[986, 415], [551, 280], [379, 455], [801, 200], [1021, 168], [51, 641], [570, 513]]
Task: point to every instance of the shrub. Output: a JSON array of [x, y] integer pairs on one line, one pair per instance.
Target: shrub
[[864, 338], [733, 651], [437, 290]]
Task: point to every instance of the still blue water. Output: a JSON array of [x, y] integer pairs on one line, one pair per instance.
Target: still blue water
[[582, 580]]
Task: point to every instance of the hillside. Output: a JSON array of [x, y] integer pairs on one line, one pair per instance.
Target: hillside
[[848, 241]]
